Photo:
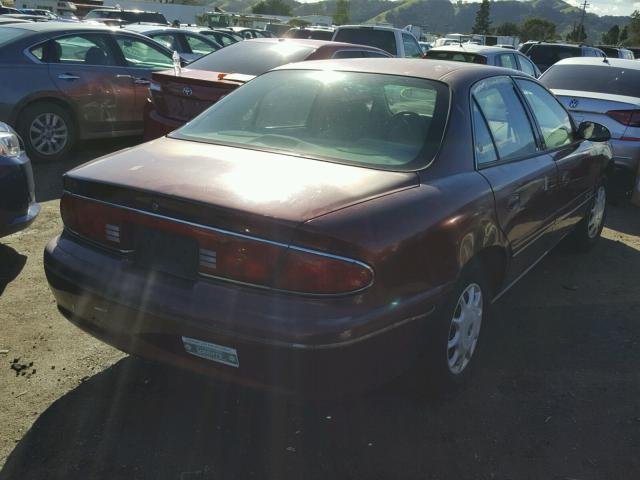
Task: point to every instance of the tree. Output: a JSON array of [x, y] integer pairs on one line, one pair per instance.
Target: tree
[[537, 29], [634, 29], [508, 29], [272, 7], [482, 25], [577, 34], [624, 35], [296, 22], [612, 37], [341, 16]]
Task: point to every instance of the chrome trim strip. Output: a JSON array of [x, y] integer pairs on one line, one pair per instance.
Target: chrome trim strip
[[238, 235]]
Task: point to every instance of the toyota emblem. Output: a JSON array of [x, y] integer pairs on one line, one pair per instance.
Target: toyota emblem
[[574, 103], [187, 91], [155, 206]]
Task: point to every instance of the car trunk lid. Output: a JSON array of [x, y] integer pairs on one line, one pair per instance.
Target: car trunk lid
[[184, 96]]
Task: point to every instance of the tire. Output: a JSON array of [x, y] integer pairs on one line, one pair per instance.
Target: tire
[[588, 230], [449, 363], [48, 131]]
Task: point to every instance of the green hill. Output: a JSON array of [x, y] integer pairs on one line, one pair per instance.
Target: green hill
[[443, 16]]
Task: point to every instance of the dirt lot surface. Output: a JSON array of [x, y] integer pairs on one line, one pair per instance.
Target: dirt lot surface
[[557, 396]]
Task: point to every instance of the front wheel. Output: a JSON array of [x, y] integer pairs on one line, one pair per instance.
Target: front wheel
[[47, 130], [588, 230]]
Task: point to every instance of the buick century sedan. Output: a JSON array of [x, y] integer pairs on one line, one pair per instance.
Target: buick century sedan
[[329, 224]]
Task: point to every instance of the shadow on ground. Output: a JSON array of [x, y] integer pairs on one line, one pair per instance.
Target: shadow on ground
[[556, 398], [48, 176], [11, 264]]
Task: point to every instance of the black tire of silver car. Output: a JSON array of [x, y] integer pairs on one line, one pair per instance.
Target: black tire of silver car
[[588, 230], [453, 339], [47, 130]]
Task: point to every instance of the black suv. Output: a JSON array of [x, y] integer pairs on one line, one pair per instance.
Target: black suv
[[118, 16], [546, 54]]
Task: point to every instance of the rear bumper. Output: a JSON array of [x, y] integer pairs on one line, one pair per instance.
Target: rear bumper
[[283, 342], [626, 154], [21, 221], [157, 125]]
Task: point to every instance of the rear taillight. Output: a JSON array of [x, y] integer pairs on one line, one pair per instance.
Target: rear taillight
[[630, 118], [222, 254]]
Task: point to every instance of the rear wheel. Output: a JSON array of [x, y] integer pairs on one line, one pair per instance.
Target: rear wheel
[[48, 131], [452, 348]]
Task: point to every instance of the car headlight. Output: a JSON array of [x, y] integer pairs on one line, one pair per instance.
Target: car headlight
[[9, 141]]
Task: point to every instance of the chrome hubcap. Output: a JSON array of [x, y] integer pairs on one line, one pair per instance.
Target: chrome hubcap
[[464, 329], [48, 133], [596, 215]]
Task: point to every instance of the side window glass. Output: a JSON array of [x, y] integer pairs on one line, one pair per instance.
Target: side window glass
[[167, 40], [199, 46], [371, 54], [348, 54], [526, 66], [553, 120], [482, 142], [138, 53], [411, 47], [507, 60], [76, 49], [506, 116]]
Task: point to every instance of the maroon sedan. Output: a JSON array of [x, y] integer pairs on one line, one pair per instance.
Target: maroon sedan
[[329, 224], [176, 99]]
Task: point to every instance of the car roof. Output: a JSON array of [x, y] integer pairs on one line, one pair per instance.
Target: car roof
[[471, 48], [598, 61], [311, 42], [53, 26], [408, 67], [371, 27], [149, 28]]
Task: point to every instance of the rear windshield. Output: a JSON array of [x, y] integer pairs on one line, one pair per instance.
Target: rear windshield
[[593, 78], [314, 34], [252, 57], [547, 55], [129, 17], [8, 34], [456, 56], [384, 39], [382, 121]]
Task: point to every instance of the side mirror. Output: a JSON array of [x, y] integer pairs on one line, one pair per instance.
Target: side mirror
[[594, 132]]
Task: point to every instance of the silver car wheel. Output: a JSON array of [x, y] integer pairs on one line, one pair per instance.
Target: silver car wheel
[[596, 215], [48, 133], [464, 329]]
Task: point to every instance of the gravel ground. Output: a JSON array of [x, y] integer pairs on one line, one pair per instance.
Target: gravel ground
[[556, 397]]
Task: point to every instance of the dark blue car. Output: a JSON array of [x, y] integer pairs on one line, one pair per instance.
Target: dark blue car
[[18, 207]]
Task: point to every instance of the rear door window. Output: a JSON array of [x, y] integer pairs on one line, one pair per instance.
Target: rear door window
[[168, 40], [91, 49], [506, 117], [199, 46]]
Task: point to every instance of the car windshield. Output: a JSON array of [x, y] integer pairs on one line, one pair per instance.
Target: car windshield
[[547, 55], [594, 78], [380, 121], [456, 56], [252, 58], [383, 39]]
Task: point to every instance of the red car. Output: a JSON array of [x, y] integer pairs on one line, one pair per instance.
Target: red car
[[330, 223], [175, 100]]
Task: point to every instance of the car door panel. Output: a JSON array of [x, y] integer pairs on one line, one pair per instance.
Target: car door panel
[[523, 178], [85, 71]]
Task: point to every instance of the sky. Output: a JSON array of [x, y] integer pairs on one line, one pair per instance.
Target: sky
[[599, 7]]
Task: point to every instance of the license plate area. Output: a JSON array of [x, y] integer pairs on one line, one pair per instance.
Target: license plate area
[[211, 351], [166, 252]]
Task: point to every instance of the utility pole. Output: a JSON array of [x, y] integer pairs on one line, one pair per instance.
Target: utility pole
[[584, 12]]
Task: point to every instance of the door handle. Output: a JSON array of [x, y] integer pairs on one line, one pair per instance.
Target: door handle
[[141, 81], [124, 76], [68, 76], [514, 201]]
